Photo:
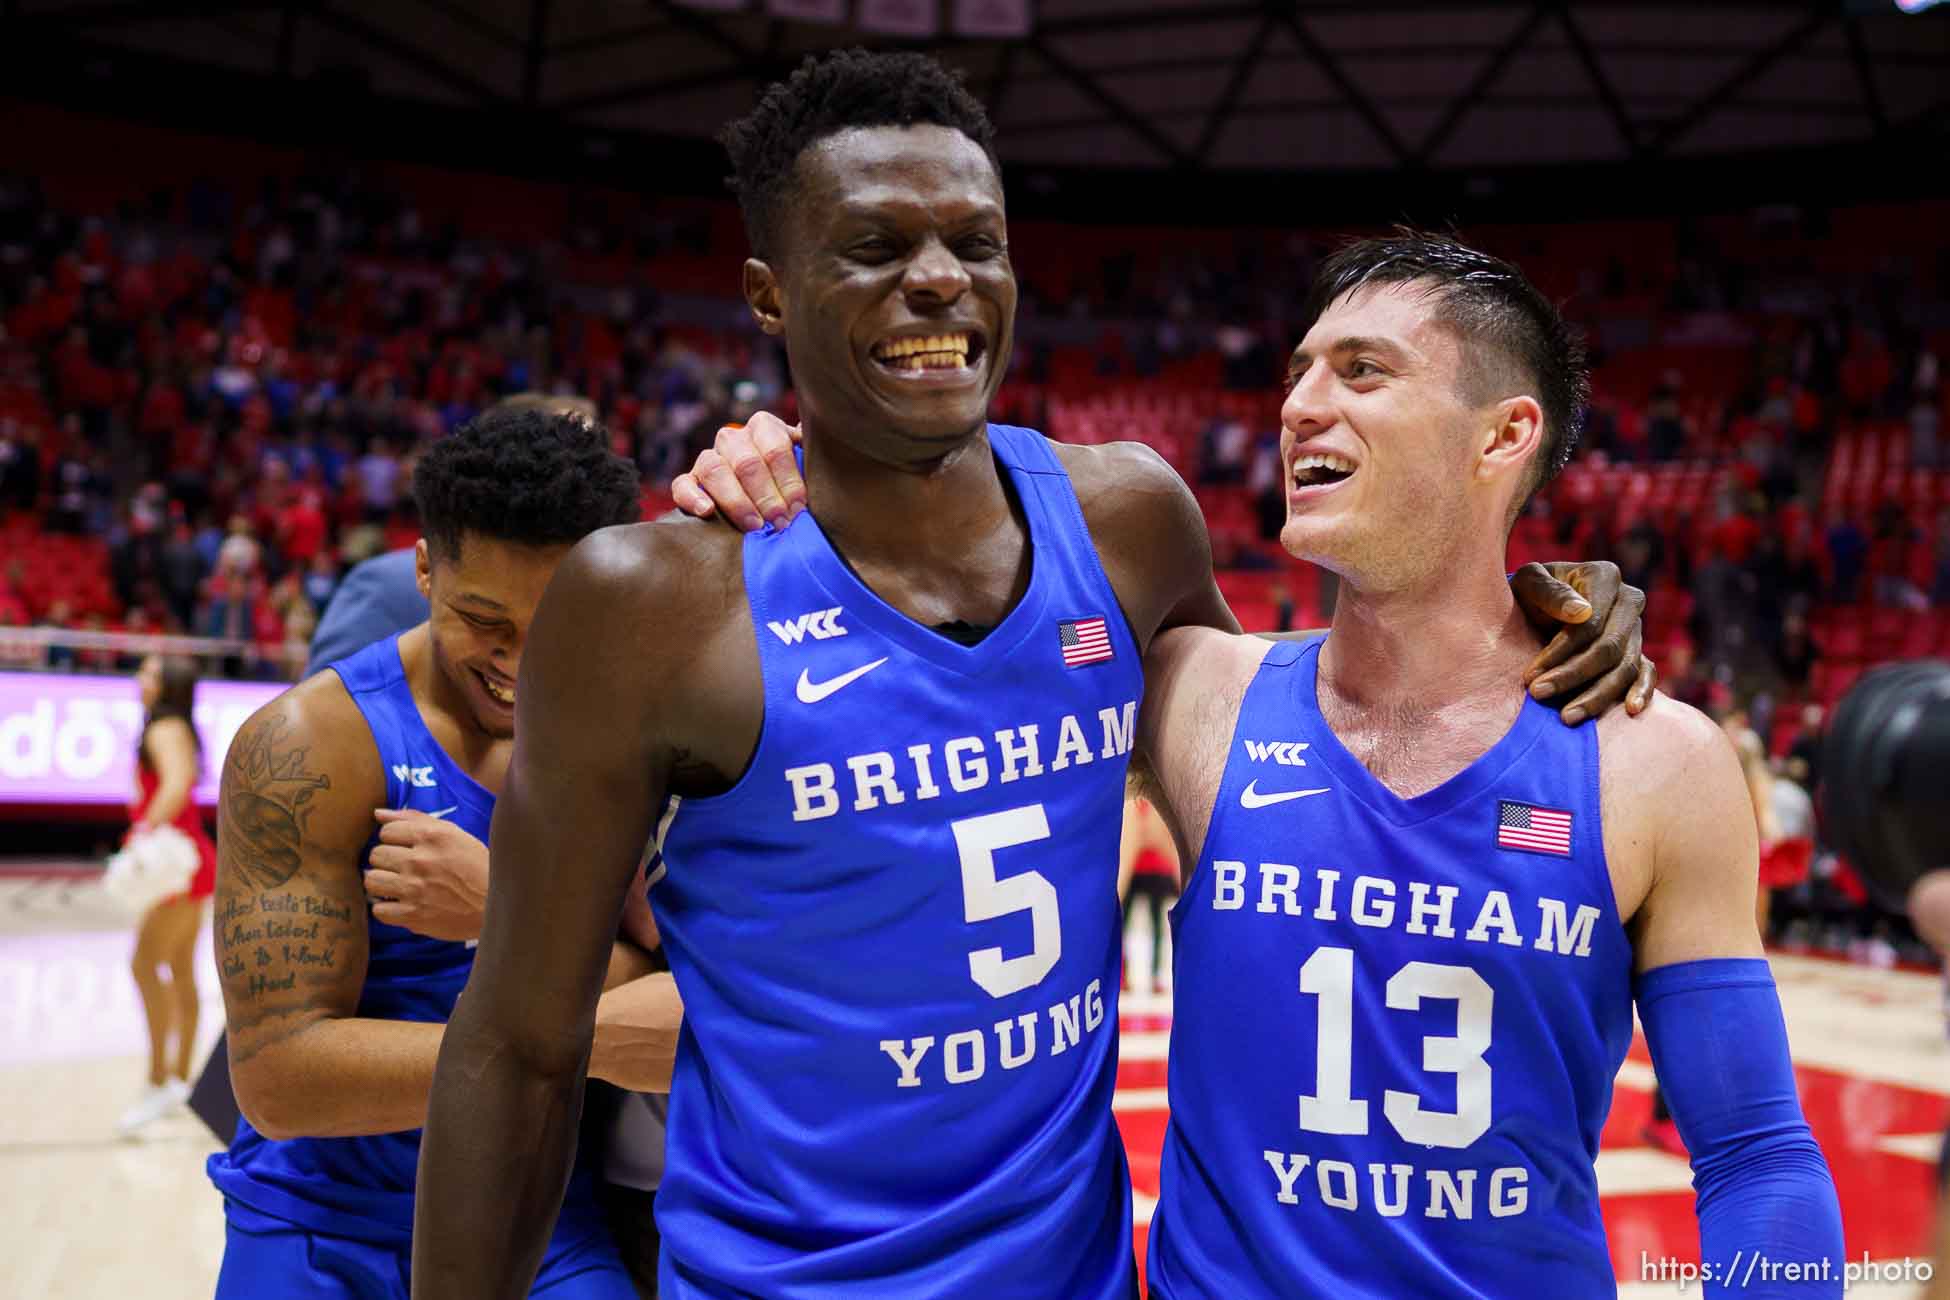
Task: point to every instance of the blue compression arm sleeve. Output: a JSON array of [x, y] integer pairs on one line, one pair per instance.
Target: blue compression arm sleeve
[[1764, 1194]]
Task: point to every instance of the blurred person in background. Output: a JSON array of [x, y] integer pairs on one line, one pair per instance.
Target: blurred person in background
[[1760, 789], [1147, 877], [168, 761]]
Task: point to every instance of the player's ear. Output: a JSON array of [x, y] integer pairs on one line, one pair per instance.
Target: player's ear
[[1514, 433], [423, 568], [762, 296]]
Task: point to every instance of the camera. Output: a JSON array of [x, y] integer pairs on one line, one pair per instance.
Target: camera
[[1885, 797]]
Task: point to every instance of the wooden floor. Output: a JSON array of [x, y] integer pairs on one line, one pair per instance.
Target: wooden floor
[[86, 1216]]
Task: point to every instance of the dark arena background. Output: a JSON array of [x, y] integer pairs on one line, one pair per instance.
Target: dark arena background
[[255, 258]]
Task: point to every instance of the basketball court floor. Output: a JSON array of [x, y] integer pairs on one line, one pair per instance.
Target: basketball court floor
[[87, 1216]]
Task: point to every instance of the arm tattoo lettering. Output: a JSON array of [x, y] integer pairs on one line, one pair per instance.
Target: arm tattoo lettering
[[265, 803]]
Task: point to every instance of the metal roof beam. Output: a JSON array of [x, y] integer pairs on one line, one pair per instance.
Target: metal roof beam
[[414, 56], [1461, 106], [1120, 112], [1628, 132], [1858, 51], [648, 90], [535, 53], [484, 28], [1749, 72], [1222, 109], [700, 25], [618, 35], [1357, 98], [80, 17]]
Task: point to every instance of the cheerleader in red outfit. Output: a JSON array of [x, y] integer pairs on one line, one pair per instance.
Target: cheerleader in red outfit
[[168, 762]]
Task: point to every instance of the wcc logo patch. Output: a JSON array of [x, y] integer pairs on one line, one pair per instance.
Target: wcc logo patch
[[1284, 752], [820, 625], [420, 778]]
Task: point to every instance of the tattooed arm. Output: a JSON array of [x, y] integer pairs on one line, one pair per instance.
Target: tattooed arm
[[299, 785]]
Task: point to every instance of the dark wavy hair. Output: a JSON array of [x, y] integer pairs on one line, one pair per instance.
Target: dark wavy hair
[[1514, 338], [523, 474], [176, 698], [826, 94]]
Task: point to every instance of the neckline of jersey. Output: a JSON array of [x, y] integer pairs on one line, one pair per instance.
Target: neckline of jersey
[[836, 576], [1473, 781]]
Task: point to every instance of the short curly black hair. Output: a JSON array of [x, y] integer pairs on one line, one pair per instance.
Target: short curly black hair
[[834, 92], [523, 474]]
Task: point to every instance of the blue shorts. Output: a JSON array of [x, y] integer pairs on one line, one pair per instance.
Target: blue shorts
[[264, 1257]]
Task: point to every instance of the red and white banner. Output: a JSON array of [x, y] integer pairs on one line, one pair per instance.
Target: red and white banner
[[71, 739]]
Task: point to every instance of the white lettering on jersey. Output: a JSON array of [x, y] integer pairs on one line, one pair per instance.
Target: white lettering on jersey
[[1118, 730], [907, 1057], [1451, 1192], [1287, 1169], [1553, 932], [968, 767], [1379, 916], [1276, 879], [420, 778], [965, 1056], [1071, 747], [812, 792], [1496, 911], [929, 769], [820, 625], [1284, 752], [1420, 909], [1228, 886], [1376, 903], [873, 780]]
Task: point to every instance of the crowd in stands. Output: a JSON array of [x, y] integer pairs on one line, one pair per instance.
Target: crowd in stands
[[212, 395]]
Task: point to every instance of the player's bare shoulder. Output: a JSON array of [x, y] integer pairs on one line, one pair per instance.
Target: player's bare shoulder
[[303, 771], [1147, 526], [658, 613], [1670, 765]]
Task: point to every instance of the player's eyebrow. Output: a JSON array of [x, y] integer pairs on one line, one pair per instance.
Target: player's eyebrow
[[1388, 349], [475, 598]]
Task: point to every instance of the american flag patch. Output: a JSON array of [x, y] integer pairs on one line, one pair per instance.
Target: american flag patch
[[1084, 641], [1532, 829]]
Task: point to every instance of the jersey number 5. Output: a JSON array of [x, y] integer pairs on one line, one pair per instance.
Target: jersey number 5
[[1333, 1108], [984, 898]]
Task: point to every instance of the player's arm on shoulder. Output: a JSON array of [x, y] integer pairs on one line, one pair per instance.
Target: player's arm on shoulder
[[1150, 535], [603, 685], [294, 811], [1678, 814]]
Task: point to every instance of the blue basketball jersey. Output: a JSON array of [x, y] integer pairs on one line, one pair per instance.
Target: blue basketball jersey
[[1398, 1020], [362, 1187], [897, 940]]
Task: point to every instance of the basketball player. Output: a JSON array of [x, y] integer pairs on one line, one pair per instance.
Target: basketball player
[[882, 752], [335, 1016], [1406, 964]]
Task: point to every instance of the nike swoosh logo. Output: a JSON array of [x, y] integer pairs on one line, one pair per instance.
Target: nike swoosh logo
[[812, 692], [444, 811], [1250, 797]]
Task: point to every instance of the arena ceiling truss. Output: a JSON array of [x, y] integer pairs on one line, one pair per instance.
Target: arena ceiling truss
[[1174, 85]]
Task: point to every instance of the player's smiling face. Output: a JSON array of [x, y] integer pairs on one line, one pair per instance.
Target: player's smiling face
[[483, 601], [1375, 437], [894, 290]]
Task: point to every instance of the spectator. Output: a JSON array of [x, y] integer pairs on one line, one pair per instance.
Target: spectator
[[1848, 548], [379, 480], [321, 580]]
